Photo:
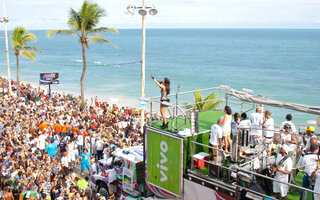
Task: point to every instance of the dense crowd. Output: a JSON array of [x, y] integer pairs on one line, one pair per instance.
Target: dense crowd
[[45, 139]]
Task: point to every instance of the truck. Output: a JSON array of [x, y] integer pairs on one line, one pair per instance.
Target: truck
[[174, 163], [122, 174]]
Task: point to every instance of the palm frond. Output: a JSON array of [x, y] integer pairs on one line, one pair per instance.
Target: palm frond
[[74, 20], [102, 30], [31, 49], [90, 14], [198, 100], [29, 37], [29, 55], [101, 40], [211, 105], [52, 33], [19, 38], [207, 103], [187, 105]]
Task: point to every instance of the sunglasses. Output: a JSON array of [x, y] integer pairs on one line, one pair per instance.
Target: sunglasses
[[287, 127]]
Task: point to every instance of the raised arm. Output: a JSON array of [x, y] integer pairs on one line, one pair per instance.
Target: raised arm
[[160, 85]]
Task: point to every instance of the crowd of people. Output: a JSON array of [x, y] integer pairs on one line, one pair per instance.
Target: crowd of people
[[45, 139], [291, 155]]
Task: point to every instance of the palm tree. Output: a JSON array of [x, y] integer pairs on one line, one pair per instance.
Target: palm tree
[[19, 39], [204, 103], [82, 24]]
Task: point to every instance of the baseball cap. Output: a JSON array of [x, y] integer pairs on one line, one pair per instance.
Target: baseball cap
[[310, 128]]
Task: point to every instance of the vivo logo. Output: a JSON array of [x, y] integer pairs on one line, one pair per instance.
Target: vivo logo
[[163, 169]]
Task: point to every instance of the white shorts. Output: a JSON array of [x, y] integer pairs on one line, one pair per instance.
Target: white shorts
[[71, 157], [280, 188], [226, 132]]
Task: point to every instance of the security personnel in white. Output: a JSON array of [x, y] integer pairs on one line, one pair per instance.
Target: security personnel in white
[[316, 174], [216, 138], [309, 161], [283, 169]]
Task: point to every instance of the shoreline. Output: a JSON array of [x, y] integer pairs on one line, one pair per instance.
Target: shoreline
[[120, 101]]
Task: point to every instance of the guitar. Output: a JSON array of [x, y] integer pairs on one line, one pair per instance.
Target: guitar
[[274, 168]]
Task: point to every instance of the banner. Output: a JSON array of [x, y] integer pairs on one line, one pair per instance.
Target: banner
[[127, 184], [49, 78], [164, 161]]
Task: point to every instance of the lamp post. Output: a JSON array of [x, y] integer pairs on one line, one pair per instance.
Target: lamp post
[[5, 20], [143, 12]]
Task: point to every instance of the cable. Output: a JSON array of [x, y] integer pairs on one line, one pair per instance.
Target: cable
[[93, 63]]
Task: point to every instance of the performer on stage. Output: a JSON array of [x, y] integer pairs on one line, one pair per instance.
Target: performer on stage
[[283, 169], [165, 90]]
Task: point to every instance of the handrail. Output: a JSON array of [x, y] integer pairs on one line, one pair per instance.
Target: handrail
[[192, 91], [251, 172]]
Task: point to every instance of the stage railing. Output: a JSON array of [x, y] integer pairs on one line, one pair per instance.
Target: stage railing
[[238, 187]]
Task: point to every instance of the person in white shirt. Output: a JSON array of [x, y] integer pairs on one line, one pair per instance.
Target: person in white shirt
[[256, 120], [227, 126], [244, 127], [99, 145], [65, 160], [244, 122], [71, 153], [235, 123], [310, 134], [287, 138], [309, 162], [293, 127], [94, 167], [216, 138], [268, 126], [42, 141], [316, 174], [93, 145], [106, 151], [283, 169], [80, 143]]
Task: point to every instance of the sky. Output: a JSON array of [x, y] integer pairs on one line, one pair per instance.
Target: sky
[[53, 14]]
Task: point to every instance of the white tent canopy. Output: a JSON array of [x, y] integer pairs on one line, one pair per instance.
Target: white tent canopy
[[269, 102]]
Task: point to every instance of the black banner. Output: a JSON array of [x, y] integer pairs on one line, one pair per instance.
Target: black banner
[[49, 78]]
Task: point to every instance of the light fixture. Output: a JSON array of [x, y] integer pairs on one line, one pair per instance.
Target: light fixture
[[153, 11], [142, 12], [130, 10]]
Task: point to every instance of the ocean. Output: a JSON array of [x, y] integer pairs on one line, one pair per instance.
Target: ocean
[[281, 63]]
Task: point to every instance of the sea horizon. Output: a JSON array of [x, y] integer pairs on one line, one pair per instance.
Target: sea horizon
[[190, 28]]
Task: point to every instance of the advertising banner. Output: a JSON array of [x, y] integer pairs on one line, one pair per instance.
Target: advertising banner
[[49, 78], [127, 180], [164, 161]]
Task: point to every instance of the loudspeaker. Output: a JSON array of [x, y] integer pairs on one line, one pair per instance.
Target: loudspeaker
[[214, 171]]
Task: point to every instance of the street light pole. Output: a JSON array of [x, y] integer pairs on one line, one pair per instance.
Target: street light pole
[[5, 20], [143, 64], [143, 12]]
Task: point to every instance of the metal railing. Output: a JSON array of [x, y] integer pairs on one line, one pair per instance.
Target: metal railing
[[238, 187]]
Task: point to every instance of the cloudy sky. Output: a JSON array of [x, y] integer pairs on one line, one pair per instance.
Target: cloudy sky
[[52, 14]]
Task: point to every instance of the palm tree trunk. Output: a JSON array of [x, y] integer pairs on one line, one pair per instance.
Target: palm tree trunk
[[83, 74], [18, 80]]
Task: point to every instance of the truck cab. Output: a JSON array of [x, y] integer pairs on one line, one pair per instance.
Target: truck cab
[[122, 174]]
